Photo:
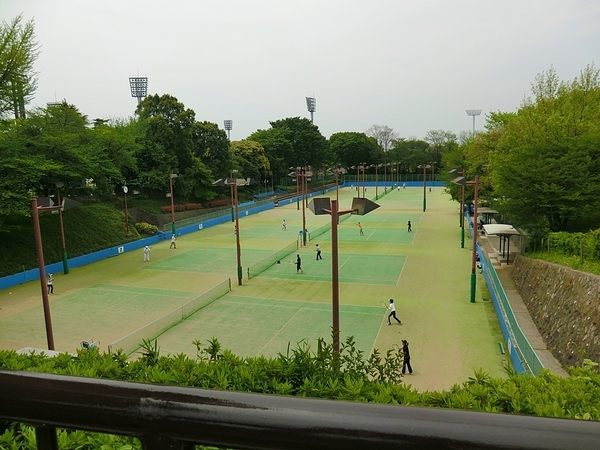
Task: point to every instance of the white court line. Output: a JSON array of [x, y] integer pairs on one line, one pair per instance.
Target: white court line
[[347, 259], [370, 235], [402, 270], [275, 335]]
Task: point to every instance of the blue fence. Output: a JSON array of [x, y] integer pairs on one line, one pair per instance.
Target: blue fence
[[521, 352]]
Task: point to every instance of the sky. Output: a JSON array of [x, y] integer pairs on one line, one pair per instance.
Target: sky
[[412, 65]]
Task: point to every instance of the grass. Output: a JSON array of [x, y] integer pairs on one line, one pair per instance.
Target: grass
[[574, 262]]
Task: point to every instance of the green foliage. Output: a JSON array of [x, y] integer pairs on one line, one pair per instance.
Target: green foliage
[[146, 229], [87, 229], [307, 372], [18, 52], [546, 160]]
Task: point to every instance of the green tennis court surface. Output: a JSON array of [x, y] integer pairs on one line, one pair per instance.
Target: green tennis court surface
[[116, 309], [353, 268], [209, 260], [257, 326]]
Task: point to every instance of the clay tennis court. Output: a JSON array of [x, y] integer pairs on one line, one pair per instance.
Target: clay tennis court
[[426, 272]]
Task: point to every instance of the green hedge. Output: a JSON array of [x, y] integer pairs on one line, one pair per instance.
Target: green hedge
[[315, 373]]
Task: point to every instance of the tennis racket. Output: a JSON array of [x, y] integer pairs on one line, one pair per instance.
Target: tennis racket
[[382, 303]]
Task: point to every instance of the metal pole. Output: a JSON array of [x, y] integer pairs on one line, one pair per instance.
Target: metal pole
[[297, 189], [424, 188], [172, 204], [304, 189], [65, 260], [462, 214], [232, 199], [237, 234], [376, 182], [474, 254], [335, 292], [40, 258], [126, 215]]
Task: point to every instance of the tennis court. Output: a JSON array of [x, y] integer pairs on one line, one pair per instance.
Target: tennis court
[[260, 326], [426, 273]]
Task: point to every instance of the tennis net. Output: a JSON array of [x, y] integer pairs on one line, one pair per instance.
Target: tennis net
[[132, 341], [263, 265]]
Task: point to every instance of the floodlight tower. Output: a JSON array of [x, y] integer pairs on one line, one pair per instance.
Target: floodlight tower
[[139, 87], [473, 113], [228, 128], [311, 104]]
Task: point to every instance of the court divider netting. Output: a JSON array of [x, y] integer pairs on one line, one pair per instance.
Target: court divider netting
[[269, 261], [132, 341]]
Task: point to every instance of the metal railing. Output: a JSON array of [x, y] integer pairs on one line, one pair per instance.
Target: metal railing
[[166, 417]]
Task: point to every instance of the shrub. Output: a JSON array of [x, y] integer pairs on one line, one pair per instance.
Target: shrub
[[192, 206], [218, 202], [146, 229]]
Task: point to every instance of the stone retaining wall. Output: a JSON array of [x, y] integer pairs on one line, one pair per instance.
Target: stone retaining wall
[[565, 306]]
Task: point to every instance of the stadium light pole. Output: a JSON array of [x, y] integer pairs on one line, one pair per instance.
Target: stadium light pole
[[171, 176], [228, 128], [461, 214], [424, 167], [234, 183], [473, 113], [463, 181], [139, 87], [65, 259], [311, 105], [325, 205]]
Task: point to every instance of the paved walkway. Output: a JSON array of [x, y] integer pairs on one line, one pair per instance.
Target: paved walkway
[[516, 302]]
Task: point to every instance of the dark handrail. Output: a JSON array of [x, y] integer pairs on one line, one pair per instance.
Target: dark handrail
[[174, 417]]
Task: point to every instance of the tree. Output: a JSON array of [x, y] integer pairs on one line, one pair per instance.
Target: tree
[[278, 150], [409, 153], [384, 135], [18, 52], [249, 159], [439, 142], [211, 146], [166, 147], [353, 148], [547, 162], [308, 146]]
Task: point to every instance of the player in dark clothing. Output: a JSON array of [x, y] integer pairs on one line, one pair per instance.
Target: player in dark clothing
[[406, 353]]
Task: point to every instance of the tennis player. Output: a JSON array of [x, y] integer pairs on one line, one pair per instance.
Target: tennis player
[[392, 313]]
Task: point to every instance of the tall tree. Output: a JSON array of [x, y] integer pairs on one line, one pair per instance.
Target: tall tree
[[166, 147], [308, 145], [211, 146], [278, 149], [353, 148], [547, 162], [250, 160], [18, 52], [384, 135]]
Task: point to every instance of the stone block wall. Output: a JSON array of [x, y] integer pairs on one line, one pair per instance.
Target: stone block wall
[[565, 306]]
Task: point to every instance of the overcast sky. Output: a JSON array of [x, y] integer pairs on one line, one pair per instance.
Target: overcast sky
[[411, 65]]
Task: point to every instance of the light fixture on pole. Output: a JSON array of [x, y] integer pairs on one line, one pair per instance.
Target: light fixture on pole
[[324, 205], [463, 181], [65, 259], [139, 87], [228, 128], [473, 113], [234, 183], [461, 214], [171, 176], [311, 105], [424, 167]]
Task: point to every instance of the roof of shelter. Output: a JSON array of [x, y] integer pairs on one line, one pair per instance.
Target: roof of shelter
[[500, 229], [486, 210]]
